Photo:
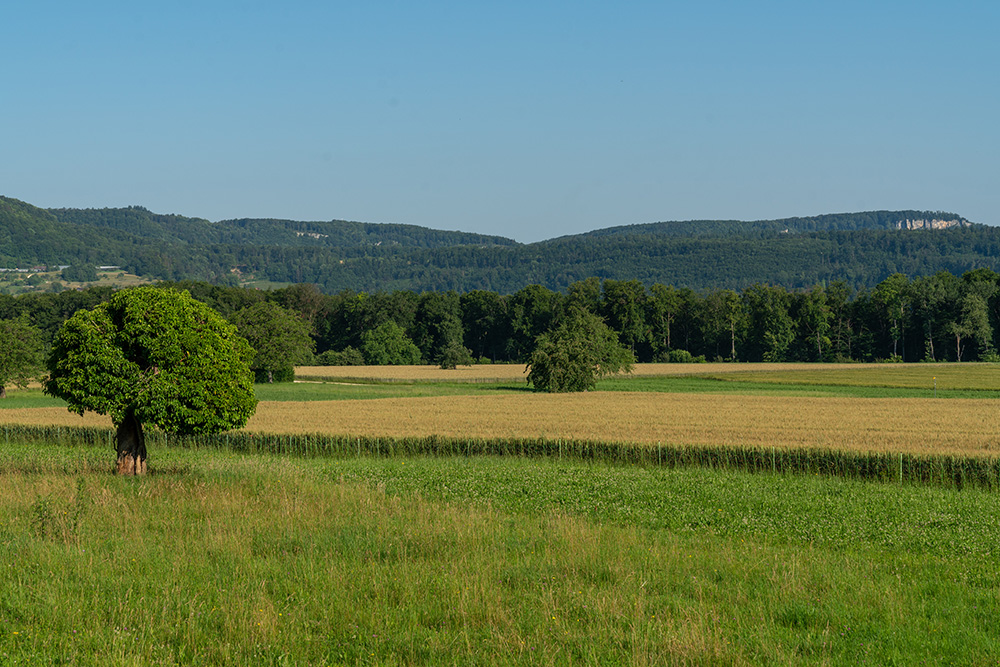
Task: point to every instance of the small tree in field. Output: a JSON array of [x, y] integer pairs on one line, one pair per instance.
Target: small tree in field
[[574, 355], [455, 355], [21, 359], [388, 345], [153, 356]]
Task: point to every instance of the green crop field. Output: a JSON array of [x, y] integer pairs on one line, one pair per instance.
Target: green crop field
[[312, 549], [227, 558]]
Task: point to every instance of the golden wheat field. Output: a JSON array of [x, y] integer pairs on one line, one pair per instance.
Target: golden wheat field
[[955, 426], [918, 425]]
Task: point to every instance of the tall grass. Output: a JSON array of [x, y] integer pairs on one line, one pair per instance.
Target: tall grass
[[899, 468]]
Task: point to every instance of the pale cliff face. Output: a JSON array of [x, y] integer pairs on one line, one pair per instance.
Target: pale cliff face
[[930, 224]]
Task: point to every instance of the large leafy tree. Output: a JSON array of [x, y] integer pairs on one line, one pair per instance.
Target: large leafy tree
[[973, 321], [725, 319], [624, 308], [438, 323], [532, 311], [585, 294], [282, 340], [979, 287], [576, 353], [771, 329], [153, 356], [455, 355], [934, 303], [812, 316], [21, 358], [664, 304], [388, 345], [842, 319], [892, 297], [80, 273], [486, 324]]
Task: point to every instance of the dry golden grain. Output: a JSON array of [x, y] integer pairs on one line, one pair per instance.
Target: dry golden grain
[[953, 426], [52, 417], [918, 425]]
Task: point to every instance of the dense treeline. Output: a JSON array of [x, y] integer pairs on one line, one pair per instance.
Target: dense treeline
[[939, 317], [862, 249]]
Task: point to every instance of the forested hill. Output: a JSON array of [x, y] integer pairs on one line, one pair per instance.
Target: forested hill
[[145, 224], [834, 222], [860, 248]]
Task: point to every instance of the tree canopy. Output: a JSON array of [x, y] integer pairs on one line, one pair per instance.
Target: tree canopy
[[388, 344], [280, 337], [455, 355], [79, 273], [940, 317], [153, 356], [21, 358], [580, 350]]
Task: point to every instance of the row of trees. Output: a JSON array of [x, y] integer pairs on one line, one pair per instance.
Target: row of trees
[[940, 317]]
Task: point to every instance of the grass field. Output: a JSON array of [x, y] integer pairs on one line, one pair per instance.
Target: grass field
[[220, 557], [924, 377], [114, 279], [224, 559]]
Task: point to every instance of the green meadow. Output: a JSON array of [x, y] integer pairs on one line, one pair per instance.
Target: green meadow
[[225, 558]]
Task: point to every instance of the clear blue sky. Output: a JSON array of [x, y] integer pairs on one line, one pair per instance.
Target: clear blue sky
[[526, 119]]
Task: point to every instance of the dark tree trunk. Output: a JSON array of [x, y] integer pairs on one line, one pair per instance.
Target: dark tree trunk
[[3, 391], [131, 446]]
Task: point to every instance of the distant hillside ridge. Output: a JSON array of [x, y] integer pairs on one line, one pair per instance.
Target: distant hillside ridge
[[833, 222], [860, 248], [30, 235], [143, 223]]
